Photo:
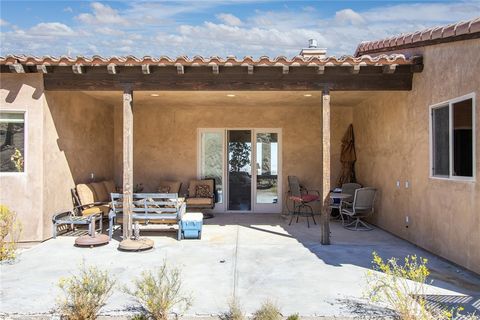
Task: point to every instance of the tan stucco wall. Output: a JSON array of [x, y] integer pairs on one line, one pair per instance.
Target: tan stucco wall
[[22, 192], [69, 135], [78, 141], [392, 136], [165, 138]]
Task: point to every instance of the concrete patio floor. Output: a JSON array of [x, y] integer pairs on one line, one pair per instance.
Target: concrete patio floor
[[252, 257]]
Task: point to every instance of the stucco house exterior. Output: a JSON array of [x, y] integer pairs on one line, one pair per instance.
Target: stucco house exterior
[[411, 99]]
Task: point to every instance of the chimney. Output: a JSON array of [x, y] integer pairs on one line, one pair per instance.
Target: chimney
[[313, 50]]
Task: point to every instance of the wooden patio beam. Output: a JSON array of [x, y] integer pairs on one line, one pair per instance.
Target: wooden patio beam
[[232, 78], [127, 161], [325, 223]]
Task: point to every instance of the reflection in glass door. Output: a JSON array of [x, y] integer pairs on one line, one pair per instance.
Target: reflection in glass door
[[211, 160], [239, 148], [267, 169]]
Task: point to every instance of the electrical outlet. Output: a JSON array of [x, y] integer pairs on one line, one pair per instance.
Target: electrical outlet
[[398, 183], [407, 221], [407, 184]]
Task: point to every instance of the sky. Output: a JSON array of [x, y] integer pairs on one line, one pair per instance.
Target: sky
[[213, 28]]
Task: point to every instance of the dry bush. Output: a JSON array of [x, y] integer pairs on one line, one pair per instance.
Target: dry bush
[[293, 317], [159, 292], [234, 312], [84, 294], [10, 229], [403, 287], [268, 311]]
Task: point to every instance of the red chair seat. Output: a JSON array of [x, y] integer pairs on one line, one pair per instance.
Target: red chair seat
[[305, 198]]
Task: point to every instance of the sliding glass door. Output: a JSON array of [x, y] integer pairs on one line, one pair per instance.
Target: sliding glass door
[[246, 166], [267, 171], [239, 144]]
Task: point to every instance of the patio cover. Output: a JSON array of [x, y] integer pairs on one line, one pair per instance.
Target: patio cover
[[348, 158]]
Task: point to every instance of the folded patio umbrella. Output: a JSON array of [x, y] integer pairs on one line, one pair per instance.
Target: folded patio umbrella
[[347, 158]]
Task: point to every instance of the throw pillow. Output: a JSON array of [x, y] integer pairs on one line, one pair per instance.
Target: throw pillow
[[202, 191], [164, 189]]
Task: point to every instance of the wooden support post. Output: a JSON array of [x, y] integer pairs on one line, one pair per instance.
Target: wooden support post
[[127, 162], [325, 225]]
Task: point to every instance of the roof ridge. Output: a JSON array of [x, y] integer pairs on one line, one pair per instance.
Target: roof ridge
[[464, 29]]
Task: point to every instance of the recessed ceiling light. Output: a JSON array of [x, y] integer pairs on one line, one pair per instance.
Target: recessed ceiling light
[[230, 95], [154, 95], [307, 95]]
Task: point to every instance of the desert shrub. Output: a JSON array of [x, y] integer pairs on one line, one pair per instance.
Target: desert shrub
[[10, 229], [17, 159], [268, 311], [158, 292], [294, 316], [234, 312], [84, 294], [403, 286]]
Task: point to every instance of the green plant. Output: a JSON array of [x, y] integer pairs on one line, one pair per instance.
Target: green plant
[[10, 230], [294, 316], [17, 159], [84, 294], [234, 312], [403, 286], [159, 292], [268, 311]]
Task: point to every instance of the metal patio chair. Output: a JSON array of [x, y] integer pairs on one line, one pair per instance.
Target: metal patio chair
[[362, 206], [301, 198], [347, 188]]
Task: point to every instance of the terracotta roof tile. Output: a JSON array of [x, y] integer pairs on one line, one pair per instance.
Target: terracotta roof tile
[[452, 32], [202, 61]]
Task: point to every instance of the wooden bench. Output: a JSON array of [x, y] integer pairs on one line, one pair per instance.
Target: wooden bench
[[154, 208]]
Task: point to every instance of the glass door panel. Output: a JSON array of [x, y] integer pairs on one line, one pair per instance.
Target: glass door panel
[[239, 145], [267, 167], [211, 160]]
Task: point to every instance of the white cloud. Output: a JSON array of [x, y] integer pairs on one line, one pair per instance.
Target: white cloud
[[167, 28], [229, 19], [102, 14], [68, 9], [348, 16], [3, 23], [51, 29], [109, 31]]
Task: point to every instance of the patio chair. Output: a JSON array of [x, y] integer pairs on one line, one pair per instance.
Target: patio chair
[[92, 198], [201, 194], [362, 206], [301, 197], [350, 188], [347, 188]]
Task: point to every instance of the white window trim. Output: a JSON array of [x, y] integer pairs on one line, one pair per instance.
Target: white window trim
[[256, 208], [449, 104], [25, 146]]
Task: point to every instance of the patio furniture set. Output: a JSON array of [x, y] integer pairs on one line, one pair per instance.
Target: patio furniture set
[[352, 201], [98, 201]]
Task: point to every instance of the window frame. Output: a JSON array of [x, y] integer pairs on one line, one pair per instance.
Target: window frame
[[449, 104], [25, 147]]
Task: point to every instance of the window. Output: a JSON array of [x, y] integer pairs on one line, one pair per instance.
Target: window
[[453, 139], [12, 141]]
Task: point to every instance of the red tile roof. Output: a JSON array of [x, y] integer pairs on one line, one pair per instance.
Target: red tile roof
[[452, 32], [393, 59]]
